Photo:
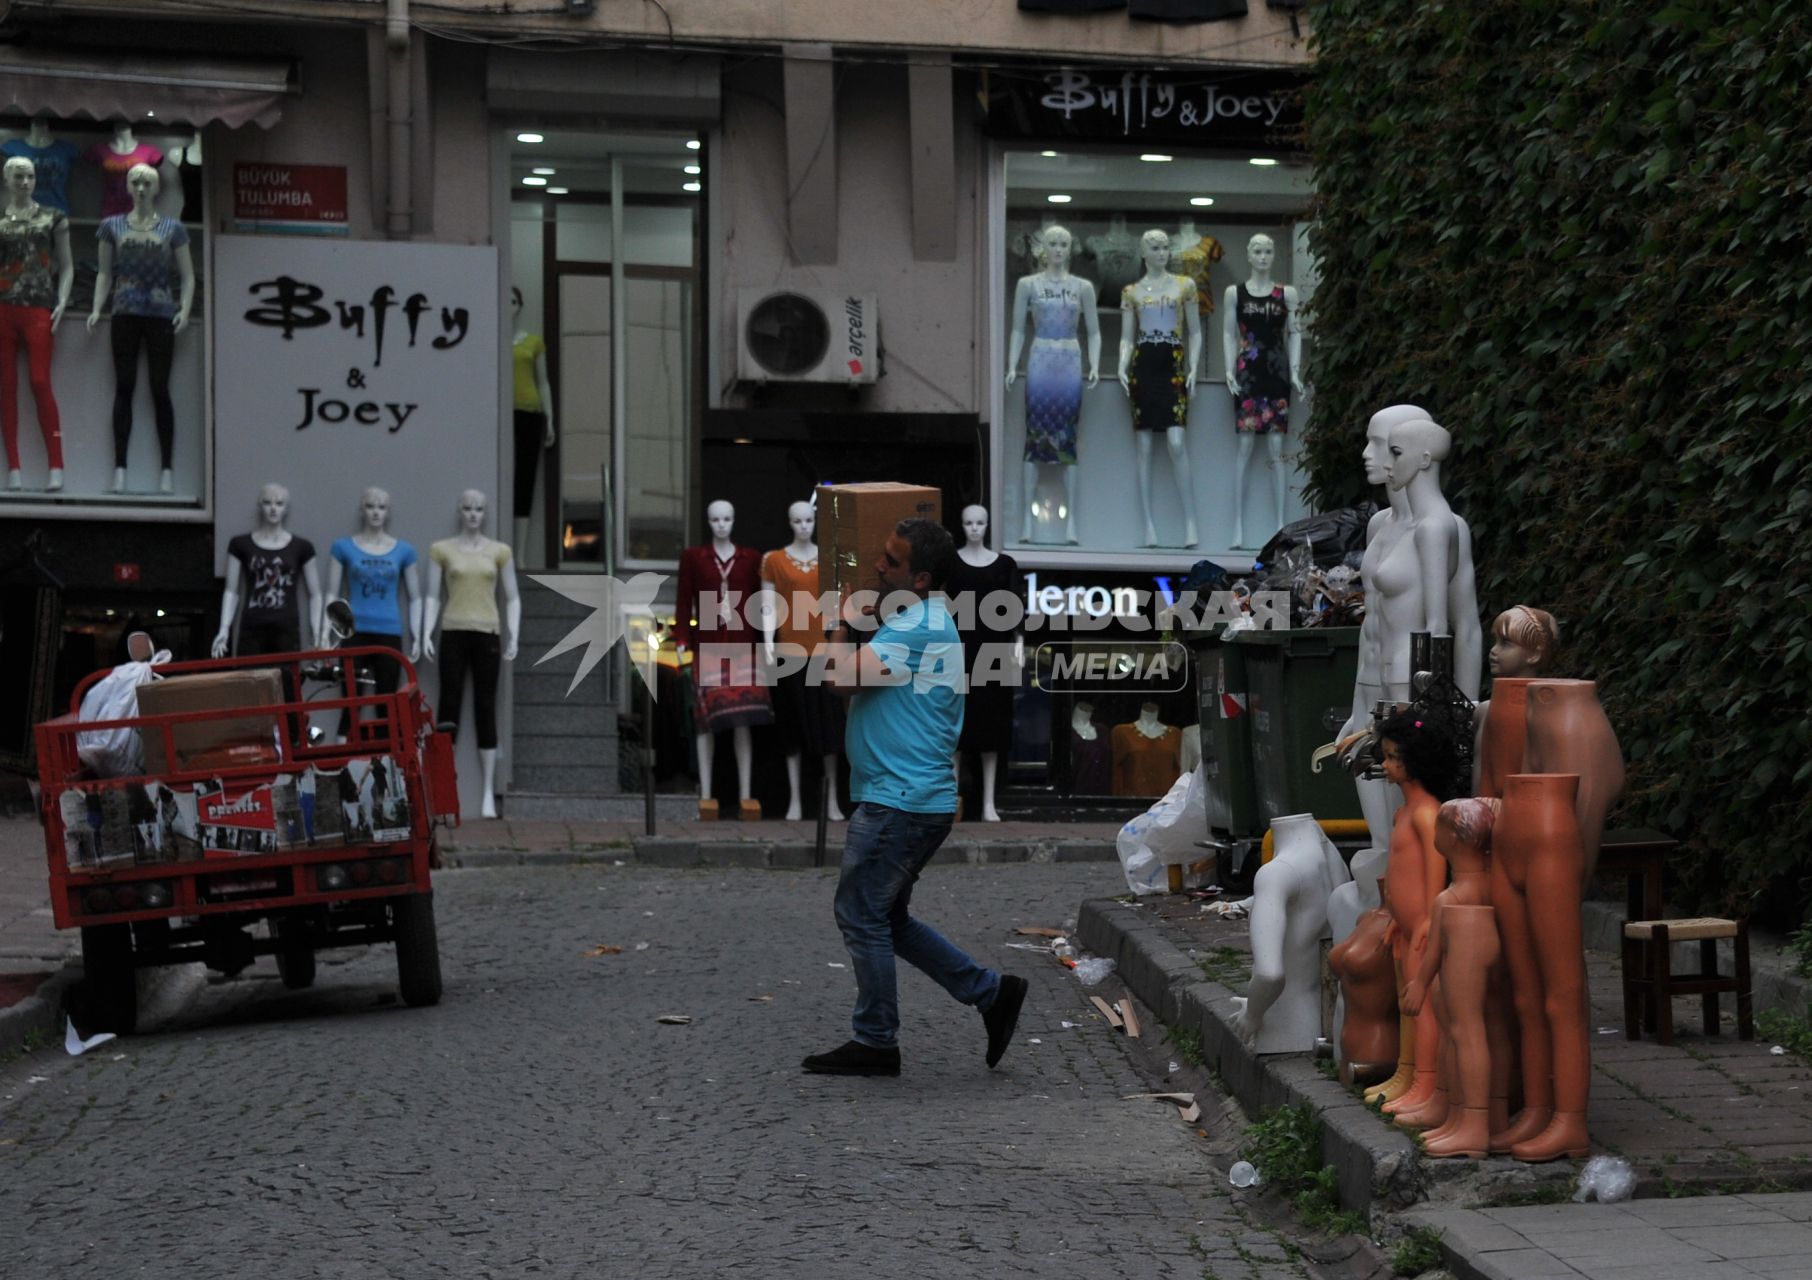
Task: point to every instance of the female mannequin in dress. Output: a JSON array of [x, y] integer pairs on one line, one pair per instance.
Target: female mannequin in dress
[[472, 566], [1160, 347], [381, 578], [808, 715], [1148, 754], [1195, 256], [155, 288], [273, 561], [717, 582], [1091, 753], [1418, 576], [1263, 345], [1055, 300], [1454, 967], [993, 670], [534, 413], [36, 273], [1282, 1009]]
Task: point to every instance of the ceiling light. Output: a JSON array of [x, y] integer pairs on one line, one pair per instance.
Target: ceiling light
[[1048, 155], [693, 144], [558, 191], [1152, 157], [1059, 199], [691, 186], [1201, 202], [534, 182], [742, 440], [530, 137], [543, 170], [692, 168], [149, 114], [1263, 162]]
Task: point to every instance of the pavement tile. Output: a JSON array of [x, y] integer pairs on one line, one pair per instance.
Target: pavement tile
[[1795, 1206], [1522, 1264], [1788, 1239], [1624, 1246], [1701, 1211]]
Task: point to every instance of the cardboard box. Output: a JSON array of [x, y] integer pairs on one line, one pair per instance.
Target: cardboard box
[[210, 691], [853, 523]]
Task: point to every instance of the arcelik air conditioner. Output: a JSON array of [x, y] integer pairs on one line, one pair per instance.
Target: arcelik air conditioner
[[805, 335]]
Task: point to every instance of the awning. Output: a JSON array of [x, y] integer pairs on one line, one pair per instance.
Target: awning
[[114, 84]]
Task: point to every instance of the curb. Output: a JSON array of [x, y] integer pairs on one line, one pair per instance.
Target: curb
[[1377, 1167], [39, 1013], [677, 852]]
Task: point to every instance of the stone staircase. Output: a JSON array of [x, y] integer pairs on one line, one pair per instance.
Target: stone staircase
[[564, 749]]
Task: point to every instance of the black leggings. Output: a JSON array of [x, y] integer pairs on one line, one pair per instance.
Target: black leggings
[[481, 653], [531, 431], [157, 335], [387, 671]]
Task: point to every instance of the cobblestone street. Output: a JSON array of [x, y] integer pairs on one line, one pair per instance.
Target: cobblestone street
[[541, 1121]]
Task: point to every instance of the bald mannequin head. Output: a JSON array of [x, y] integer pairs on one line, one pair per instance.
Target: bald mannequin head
[[1377, 438], [1417, 445]]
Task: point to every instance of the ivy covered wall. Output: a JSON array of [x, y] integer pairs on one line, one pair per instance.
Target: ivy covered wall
[[1580, 234]]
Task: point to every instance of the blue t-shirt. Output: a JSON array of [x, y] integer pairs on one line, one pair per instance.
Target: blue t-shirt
[[371, 585], [146, 281], [901, 737], [51, 165]]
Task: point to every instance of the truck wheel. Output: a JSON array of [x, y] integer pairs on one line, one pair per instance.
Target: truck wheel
[[417, 948], [109, 992], [295, 954]]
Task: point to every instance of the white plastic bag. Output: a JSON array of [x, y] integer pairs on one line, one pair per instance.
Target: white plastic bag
[[116, 753], [1165, 833]]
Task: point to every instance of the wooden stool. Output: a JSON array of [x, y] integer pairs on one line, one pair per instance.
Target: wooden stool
[[1656, 938]]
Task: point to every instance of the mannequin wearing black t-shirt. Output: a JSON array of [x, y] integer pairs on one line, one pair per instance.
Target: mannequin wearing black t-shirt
[[268, 567]]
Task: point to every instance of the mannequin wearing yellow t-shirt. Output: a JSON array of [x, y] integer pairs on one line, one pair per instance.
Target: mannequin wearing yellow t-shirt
[[534, 404]]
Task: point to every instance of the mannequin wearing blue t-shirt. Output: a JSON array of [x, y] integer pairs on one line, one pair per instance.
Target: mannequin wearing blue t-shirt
[[377, 570]]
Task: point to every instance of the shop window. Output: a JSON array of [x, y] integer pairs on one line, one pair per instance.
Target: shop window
[[150, 450], [1153, 468]]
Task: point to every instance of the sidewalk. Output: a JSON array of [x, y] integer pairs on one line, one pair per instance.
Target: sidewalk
[[1715, 1128]]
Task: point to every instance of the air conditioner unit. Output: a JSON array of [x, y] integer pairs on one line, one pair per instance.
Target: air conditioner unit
[[805, 335]]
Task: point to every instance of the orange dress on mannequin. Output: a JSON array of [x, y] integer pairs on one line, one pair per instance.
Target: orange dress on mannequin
[[1145, 766]]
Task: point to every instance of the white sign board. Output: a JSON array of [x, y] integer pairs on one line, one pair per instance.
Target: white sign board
[[344, 364]]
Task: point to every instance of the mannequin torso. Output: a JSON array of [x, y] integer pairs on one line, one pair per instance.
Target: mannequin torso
[[51, 160], [115, 159]]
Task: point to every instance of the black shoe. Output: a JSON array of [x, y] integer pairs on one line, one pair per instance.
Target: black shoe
[[1003, 1015], [855, 1059]]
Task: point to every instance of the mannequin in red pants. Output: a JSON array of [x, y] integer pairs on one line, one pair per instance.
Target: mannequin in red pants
[[36, 273]]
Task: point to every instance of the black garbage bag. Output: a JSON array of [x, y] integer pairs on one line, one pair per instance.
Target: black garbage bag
[[1206, 576], [1331, 535]]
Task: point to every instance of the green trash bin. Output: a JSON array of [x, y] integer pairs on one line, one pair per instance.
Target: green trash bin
[[1299, 693], [1226, 743]]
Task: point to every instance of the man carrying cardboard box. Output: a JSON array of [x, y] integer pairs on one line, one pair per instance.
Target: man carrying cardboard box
[[905, 691]]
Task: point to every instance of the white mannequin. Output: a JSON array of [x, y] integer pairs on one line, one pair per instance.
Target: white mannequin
[[142, 181], [803, 552], [374, 538], [38, 135], [21, 181], [123, 143], [1148, 722], [1082, 720], [273, 510], [1056, 275], [1418, 576], [721, 517], [975, 551], [1158, 282], [1187, 237], [1289, 912], [546, 392], [1261, 252], [472, 537]]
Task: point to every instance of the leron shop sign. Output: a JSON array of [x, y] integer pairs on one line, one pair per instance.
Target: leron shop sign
[[345, 363], [305, 199], [1261, 109]]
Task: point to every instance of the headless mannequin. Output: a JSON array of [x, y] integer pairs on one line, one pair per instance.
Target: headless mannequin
[[1159, 285], [803, 552], [1281, 1012], [1082, 720], [1056, 283], [545, 398], [975, 553], [142, 182], [21, 181], [1346, 906], [1415, 579], [1366, 1026], [721, 517], [1261, 252], [472, 539], [273, 509], [38, 135], [1454, 969], [1414, 874]]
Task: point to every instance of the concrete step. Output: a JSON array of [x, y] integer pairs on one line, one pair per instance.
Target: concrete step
[[561, 750], [547, 687], [588, 779], [553, 806], [576, 719]]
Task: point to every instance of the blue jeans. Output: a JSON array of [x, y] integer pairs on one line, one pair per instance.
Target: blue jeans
[[882, 857]]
